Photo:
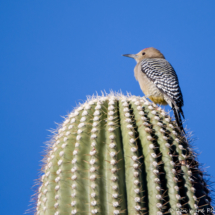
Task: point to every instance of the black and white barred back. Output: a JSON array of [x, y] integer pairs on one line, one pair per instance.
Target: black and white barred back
[[162, 74]]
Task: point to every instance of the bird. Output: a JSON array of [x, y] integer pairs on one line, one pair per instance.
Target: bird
[[159, 81]]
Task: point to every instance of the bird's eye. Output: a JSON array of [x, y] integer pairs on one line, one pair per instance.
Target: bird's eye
[[143, 53]]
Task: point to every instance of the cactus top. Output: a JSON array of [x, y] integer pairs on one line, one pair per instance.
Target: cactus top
[[120, 155]]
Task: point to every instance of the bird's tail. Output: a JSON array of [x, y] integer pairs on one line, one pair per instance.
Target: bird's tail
[[178, 112]]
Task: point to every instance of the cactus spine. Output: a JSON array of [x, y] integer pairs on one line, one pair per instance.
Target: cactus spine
[[120, 155]]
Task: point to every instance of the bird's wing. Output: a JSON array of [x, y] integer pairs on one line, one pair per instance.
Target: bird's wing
[[162, 74]]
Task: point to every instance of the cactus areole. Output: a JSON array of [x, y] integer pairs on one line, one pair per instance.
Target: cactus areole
[[121, 155]]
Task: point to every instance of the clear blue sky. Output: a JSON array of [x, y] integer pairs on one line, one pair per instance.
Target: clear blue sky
[[54, 53]]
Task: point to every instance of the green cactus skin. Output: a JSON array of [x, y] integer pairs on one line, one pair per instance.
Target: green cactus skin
[[120, 155]]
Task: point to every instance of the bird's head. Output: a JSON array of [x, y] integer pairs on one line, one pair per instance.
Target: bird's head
[[146, 53]]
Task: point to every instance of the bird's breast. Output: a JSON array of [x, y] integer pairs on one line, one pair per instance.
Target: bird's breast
[[148, 87]]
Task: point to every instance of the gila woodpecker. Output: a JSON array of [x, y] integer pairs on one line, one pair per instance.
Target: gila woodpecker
[[158, 80]]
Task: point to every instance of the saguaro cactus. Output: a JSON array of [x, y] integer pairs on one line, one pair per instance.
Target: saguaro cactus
[[121, 155]]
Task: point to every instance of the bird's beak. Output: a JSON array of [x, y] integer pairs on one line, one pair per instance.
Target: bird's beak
[[130, 55]]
